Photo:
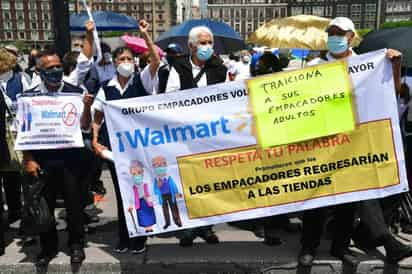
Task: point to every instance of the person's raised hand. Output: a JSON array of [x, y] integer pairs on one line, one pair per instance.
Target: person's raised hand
[[89, 26], [88, 100], [143, 26]]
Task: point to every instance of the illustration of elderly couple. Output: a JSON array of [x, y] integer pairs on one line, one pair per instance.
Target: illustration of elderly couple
[[163, 187]]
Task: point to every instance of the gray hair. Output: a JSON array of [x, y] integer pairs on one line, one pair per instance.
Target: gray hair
[[195, 32]]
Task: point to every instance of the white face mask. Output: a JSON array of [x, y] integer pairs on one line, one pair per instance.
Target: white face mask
[[6, 76], [77, 49], [245, 58], [125, 69], [107, 57]]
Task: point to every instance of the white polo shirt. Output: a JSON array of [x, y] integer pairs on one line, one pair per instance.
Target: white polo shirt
[[329, 57], [147, 80], [173, 83]]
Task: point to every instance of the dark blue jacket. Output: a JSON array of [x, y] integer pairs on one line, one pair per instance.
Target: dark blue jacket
[[14, 86], [135, 89]]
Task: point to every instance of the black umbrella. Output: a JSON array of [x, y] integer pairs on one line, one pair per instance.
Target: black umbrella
[[397, 38]]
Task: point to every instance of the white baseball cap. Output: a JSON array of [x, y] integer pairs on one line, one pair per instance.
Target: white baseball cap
[[343, 23], [12, 49]]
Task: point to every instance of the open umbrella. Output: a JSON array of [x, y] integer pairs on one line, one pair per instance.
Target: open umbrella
[[138, 44], [226, 40], [397, 38], [301, 31], [104, 20]]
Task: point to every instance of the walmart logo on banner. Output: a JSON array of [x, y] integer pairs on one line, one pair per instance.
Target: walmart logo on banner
[[243, 122], [154, 137]]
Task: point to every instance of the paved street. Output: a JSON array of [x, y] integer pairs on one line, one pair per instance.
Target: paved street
[[239, 252]]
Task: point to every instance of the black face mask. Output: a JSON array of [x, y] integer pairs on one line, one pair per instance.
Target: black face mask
[[263, 69], [170, 59], [52, 76], [142, 64], [32, 61]]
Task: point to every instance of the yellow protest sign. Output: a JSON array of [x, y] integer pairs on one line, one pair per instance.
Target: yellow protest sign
[[300, 105], [234, 180]]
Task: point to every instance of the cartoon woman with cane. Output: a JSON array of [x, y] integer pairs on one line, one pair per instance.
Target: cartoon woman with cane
[[142, 199]]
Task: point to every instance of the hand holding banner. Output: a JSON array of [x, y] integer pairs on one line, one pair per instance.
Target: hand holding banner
[[199, 144], [300, 105], [95, 34]]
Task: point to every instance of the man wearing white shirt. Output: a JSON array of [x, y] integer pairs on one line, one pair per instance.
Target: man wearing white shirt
[[341, 32], [76, 65], [243, 66], [64, 170], [200, 69]]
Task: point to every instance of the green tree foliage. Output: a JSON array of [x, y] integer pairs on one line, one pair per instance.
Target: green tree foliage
[[363, 32], [391, 25], [20, 45], [118, 33]]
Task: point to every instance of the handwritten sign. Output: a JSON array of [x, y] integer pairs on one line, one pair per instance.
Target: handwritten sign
[[304, 104]]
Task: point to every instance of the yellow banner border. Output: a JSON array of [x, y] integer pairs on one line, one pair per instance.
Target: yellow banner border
[[323, 196]]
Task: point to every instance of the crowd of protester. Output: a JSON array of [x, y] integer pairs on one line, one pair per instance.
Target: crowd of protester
[[73, 173]]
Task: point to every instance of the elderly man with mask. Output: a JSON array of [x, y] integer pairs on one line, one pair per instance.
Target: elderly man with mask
[[201, 68], [70, 163], [341, 32]]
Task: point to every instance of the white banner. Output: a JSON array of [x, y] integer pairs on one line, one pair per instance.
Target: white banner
[[188, 158], [49, 121]]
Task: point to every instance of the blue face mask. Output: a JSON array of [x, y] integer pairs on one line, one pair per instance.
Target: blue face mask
[[52, 76], [160, 170], [138, 179], [337, 44], [204, 52]]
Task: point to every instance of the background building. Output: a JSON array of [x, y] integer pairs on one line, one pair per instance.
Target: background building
[[203, 8], [24, 20], [30, 21], [187, 9], [364, 13], [161, 13], [399, 10], [245, 16]]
